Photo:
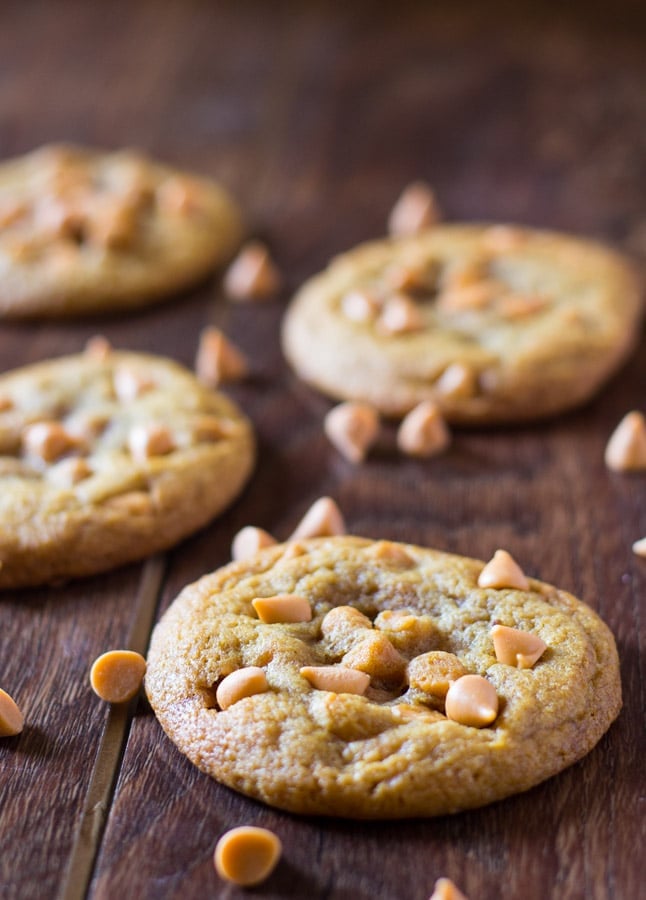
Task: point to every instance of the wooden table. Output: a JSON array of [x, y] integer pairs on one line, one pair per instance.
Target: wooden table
[[315, 116]]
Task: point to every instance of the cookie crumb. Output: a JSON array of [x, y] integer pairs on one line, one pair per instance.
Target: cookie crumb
[[12, 720], [323, 519], [502, 571], [423, 431], [353, 428], [472, 700], [247, 855], [116, 676], [415, 210], [517, 648], [249, 540], [445, 889], [252, 275], [218, 360], [626, 449]]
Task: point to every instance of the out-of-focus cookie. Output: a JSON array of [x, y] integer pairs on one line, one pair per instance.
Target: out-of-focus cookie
[[107, 457], [83, 231], [370, 679], [492, 323]]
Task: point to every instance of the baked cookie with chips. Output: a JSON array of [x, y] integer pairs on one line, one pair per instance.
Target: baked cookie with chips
[[107, 457], [347, 677], [83, 231], [492, 323]]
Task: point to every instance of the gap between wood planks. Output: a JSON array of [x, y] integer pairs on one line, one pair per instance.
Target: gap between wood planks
[[106, 766]]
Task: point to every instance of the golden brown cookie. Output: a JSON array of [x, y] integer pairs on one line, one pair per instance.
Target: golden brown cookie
[[83, 231], [107, 457], [493, 323], [386, 696]]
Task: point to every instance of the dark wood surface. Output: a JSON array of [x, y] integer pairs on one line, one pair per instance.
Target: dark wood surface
[[316, 115]]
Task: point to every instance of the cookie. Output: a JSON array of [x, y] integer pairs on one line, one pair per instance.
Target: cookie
[[332, 677], [85, 232], [107, 457], [493, 323]]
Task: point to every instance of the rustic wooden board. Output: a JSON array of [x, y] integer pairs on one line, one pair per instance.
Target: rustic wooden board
[[316, 115]]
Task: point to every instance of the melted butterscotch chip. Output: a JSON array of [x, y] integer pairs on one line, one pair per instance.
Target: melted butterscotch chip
[[434, 672], [376, 656]]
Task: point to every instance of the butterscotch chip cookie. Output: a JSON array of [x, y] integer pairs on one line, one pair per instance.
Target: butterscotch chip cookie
[[107, 458], [494, 324], [83, 231], [350, 723]]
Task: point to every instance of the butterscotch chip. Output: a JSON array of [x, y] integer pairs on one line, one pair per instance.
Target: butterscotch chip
[[639, 547], [414, 278], [11, 718], [423, 431], [282, 608], [247, 855], [376, 656], [117, 675], [218, 360], [457, 381], [239, 684], [391, 554], [445, 889], [472, 700], [339, 679], [408, 632], [313, 746], [98, 347], [415, 210], [626, 449], [252, 275], [100, 232], [352, 428], [249, 540], [5, 403], [360, 306], [517, 648], [73, 499], [322, 518], [502, 571], [131, 383], [400, 315], [499, 313], [434, 672]]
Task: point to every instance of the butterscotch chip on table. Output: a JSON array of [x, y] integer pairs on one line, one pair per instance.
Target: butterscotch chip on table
[[252, 276], [116, 676], [93, 231], [92, 476], [507, 325], [626, 449], [364, 715], [11, 718], [247, 855]]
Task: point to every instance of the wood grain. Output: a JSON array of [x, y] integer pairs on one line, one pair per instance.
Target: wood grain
[[316, 115]]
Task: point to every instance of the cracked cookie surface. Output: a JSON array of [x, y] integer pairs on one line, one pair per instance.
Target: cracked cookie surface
[[107, 458], [493, 323], [83, 231], [415, 621]]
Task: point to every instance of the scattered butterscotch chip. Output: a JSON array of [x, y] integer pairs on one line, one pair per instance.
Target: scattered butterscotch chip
[[376, 656], [339, 679], [47, 440], [247, 855], [391, 554], [457, 381], [116, 676], [400, 315], [323, 519], [415, 210], [252, 275], [626, 449], [11, 718], [69, 472], [360, 306], [446, 890], [218, 360], [434, 672], [639, 547], [517, 648], [249, 540], [282, 608], [98, 347], [353, 428], [150, 439], [423, 431], [472, 700], [502, 571], [131, 383], [239, 684]]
